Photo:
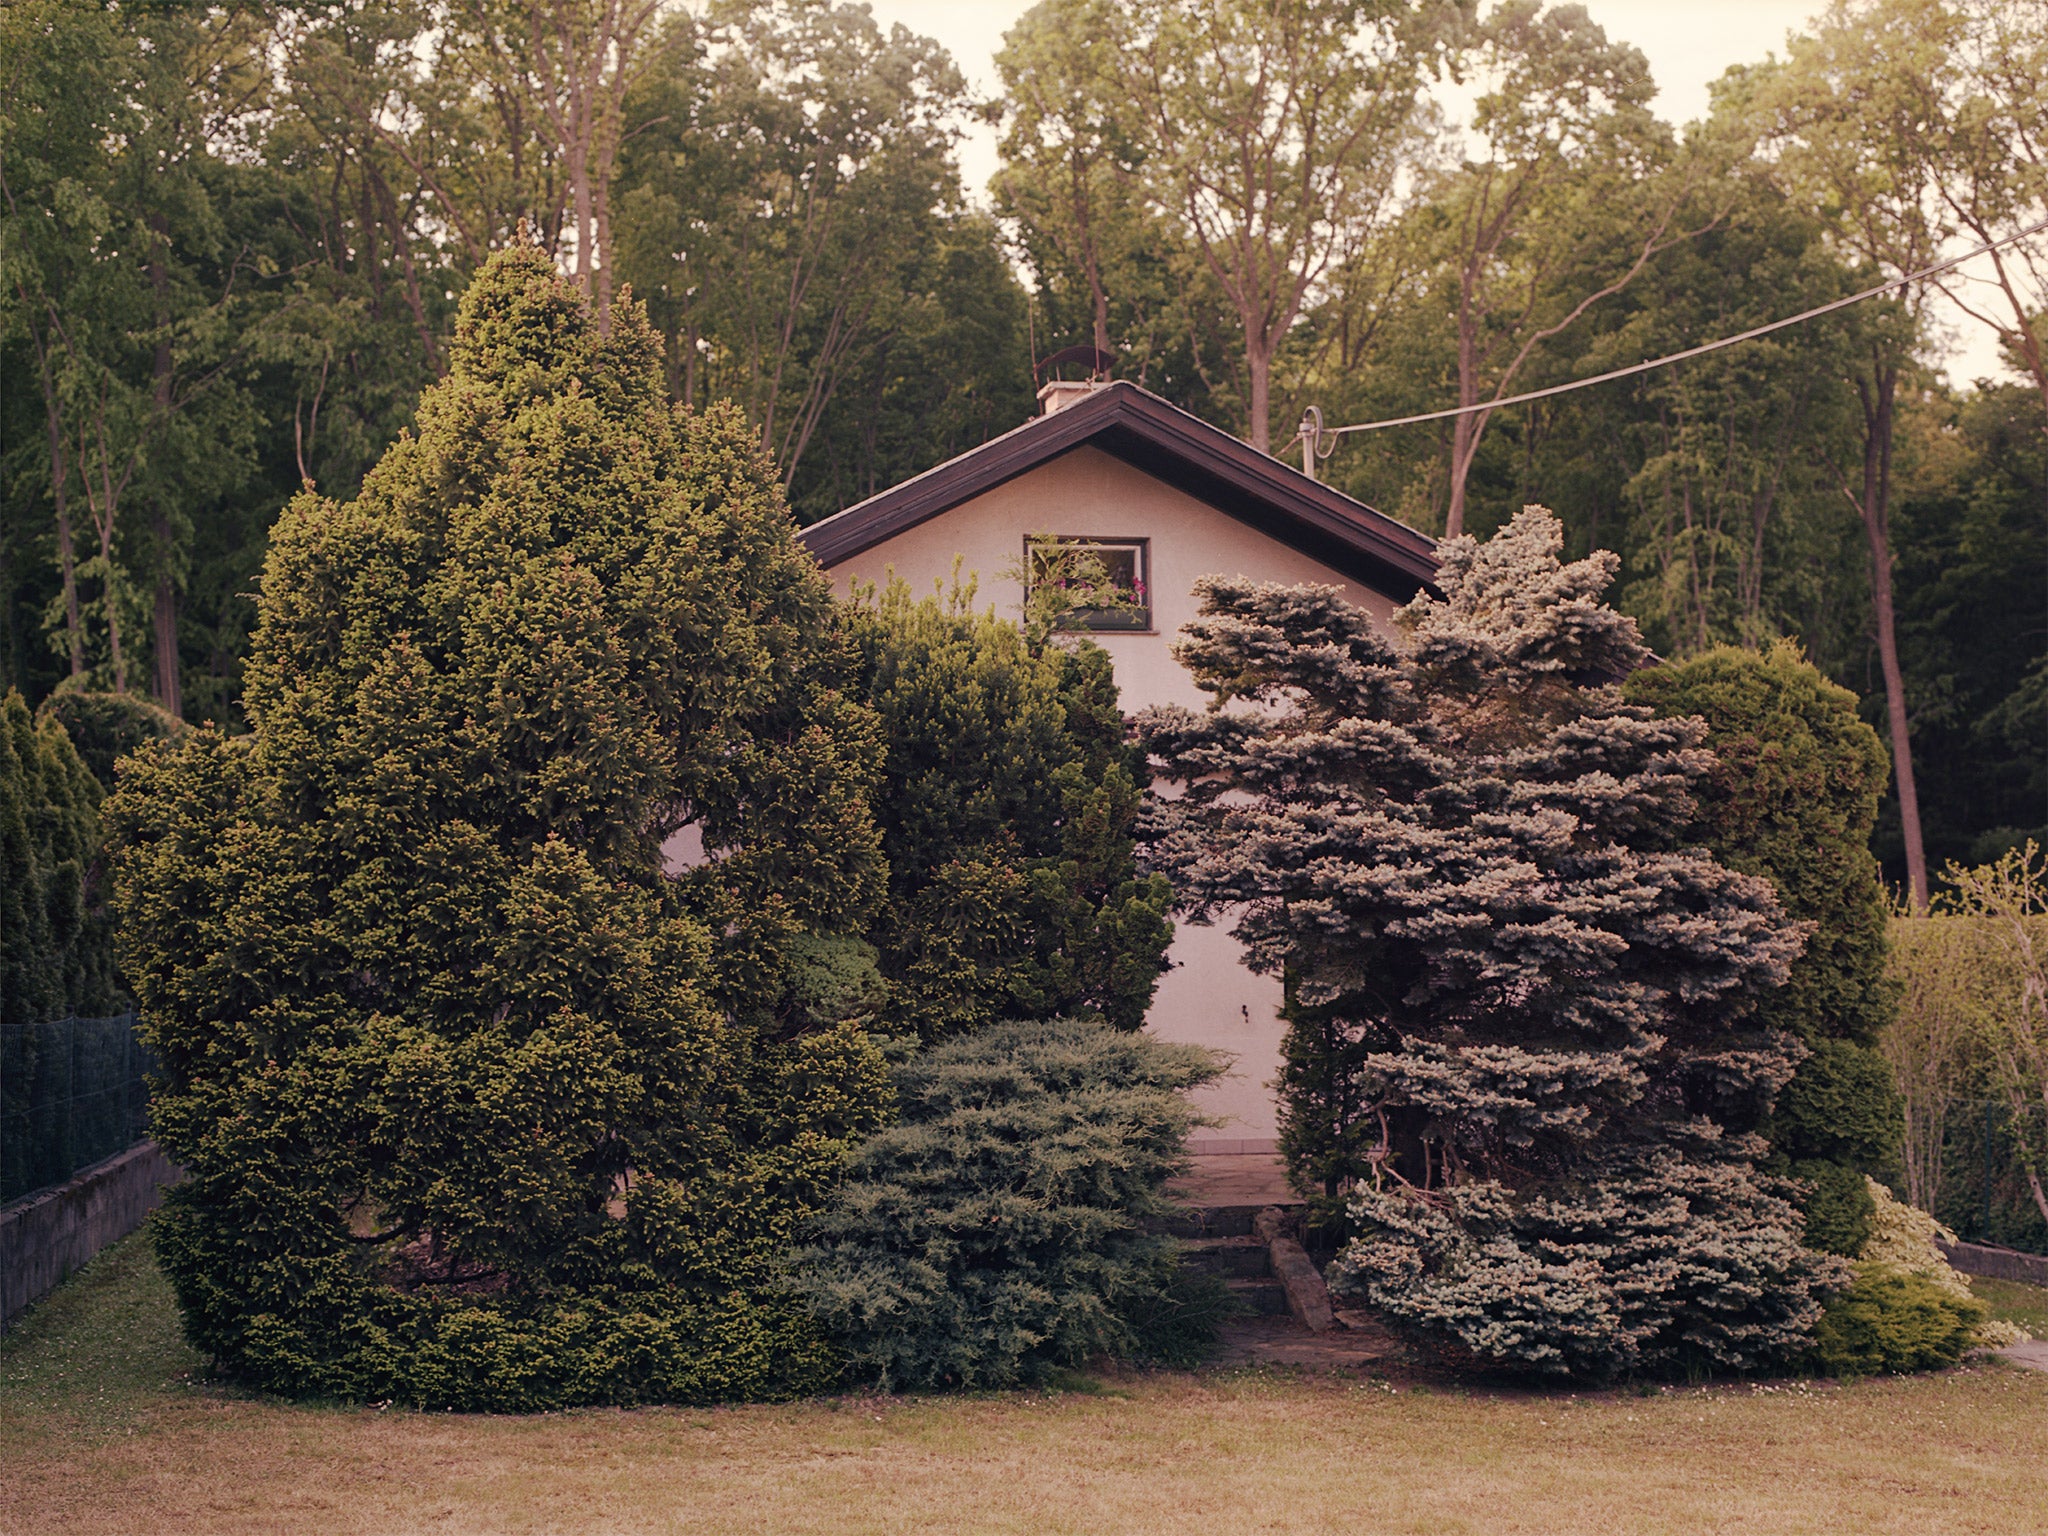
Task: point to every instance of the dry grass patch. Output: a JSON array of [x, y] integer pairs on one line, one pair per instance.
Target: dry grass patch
[[101, 1431]]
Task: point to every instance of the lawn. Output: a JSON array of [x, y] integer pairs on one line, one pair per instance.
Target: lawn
[[104, 1426], [2026, 1305]]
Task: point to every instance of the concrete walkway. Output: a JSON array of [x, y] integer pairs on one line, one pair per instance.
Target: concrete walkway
[[2033, 1354]]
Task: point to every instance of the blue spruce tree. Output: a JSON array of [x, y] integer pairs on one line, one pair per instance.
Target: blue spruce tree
[[1525, 1050]]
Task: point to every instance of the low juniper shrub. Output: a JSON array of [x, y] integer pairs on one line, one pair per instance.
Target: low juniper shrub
[[1908, 1309], [1891, 1320], [998, 1231]]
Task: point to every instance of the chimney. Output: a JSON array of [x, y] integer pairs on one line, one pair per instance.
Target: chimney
[[1061, 393]]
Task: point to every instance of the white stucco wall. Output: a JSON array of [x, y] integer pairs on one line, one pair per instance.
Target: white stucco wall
[[1208, 997]]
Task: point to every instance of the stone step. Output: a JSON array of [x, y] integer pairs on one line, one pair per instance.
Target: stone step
[[1209, 1221], [1231, 1257], [1265, 1297]]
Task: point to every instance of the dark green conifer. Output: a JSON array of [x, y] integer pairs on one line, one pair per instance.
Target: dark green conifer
[[480, 1107], [106, 727], [1793, 797], [1007, 805], [56, 940]]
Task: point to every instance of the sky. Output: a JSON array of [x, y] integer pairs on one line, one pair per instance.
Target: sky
[[1688, 44]]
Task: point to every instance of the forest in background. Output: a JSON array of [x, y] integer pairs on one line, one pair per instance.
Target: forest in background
[[232, 238]]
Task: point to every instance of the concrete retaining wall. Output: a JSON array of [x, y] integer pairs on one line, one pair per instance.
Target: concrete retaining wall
[[47, 1236], [1997, 1263]]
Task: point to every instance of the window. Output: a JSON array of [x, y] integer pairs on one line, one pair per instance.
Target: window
[[1086, 565]]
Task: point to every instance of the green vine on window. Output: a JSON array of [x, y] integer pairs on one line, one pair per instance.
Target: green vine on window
[[1069, 588]]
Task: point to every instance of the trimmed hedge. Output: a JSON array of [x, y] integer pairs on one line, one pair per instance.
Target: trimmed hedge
[[1890, 1320]]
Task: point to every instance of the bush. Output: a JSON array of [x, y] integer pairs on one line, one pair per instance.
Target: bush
[[1908, 1240], [1793, 797], [56, 939], [1889, 1320], [106, 727], [480, 1109], [998, 1230], [1006, 806], [1908, 1308], [1838, 1207]]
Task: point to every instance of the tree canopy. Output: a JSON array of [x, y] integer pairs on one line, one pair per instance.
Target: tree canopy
[[232, 239]]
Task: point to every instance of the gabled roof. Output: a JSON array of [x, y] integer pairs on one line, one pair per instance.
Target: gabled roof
[[1167, 443]]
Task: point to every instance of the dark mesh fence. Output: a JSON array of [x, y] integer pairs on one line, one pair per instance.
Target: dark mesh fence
[[72, 1091], [1985, 1194]]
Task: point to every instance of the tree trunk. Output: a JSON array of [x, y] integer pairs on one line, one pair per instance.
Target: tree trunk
[[60, 488], [164, 637], [415, 301], [579, 187], [1259, 363], [168, 688], [1877, 465], [109, 601], [603, 203], [2040, 1194], [1464, 429], [1464, 445], [1091, 263], [74, 625], [570, 109], [104, 503]]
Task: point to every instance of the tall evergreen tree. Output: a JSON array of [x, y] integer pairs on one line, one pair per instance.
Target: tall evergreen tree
[[1523, 1017], [1793, 797], [479, 1108], [1007, 806], [56, 952]]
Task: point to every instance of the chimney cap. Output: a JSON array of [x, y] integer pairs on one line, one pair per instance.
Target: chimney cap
[[1061, 393]]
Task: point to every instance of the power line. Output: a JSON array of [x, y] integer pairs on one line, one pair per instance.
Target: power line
[[1316, 431]]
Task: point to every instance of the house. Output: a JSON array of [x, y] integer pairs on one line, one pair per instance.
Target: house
[[1163, 498]]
